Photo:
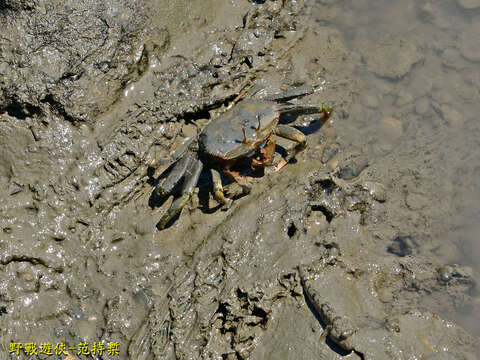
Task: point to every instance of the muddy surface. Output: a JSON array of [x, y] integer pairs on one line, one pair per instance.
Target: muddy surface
[[365, 247]]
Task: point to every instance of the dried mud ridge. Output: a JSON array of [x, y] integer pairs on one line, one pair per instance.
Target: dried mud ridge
[[91, 94]]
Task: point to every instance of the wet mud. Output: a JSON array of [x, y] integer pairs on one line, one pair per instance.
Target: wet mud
[[363, 247]]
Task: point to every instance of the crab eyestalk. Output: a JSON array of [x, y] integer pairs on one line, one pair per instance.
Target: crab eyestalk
[[259, 123], [245, 140]]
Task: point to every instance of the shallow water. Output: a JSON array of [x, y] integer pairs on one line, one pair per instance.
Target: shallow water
[[432, 89]]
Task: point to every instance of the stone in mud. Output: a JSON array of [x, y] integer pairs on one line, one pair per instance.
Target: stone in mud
[[469, 4], [416, 201], [456, 273], [431, 12], [422, 106], [452, 116], [403, 98], [370, 101], [353, 169], [329, 151], [451, 57], [470, 42], [421, 84], [376, 190], [386, 134], [393, 58]]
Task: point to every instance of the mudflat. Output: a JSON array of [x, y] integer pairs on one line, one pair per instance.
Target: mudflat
[[363, 247]]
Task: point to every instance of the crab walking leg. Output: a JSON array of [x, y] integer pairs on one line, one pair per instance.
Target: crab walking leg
[[294, 110], [218, 188], [290, 94], [293, 134], [174, 177], [239, 179], [247, 91], [192, 175]]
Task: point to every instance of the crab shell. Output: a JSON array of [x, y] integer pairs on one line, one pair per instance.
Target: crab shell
[[239, 132]]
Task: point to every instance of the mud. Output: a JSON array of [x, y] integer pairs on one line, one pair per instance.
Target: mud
[[365, 247]]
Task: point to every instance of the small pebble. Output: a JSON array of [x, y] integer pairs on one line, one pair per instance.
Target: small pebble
[[445, 273], [328, 153], [370, 101], [416, 201], [392, 324], [391, 127], [79, 313], [451, 116], [421, 85], [403, 98], [384, 295], [422, 105], [451, 58], [333, 164], [376, 190], [470, 42], [469, 4], [353, 168]]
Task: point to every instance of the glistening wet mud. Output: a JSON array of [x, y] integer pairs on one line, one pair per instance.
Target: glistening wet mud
[[364, 247]]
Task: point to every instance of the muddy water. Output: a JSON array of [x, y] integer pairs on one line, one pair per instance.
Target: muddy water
[[366, 243], [418, 72]]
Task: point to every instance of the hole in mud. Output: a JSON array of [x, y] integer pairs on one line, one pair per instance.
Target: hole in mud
[[15, 112], [243, 297], [58, 107], [292, 229], [261, 314], [190, 117], [332, 245], [21, 111], [327, 185], [223, 311], [328, 214]]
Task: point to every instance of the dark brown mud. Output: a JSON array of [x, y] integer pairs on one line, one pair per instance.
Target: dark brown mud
[[365, 247]]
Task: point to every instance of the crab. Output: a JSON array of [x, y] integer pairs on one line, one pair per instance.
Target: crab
[[242, 134]]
